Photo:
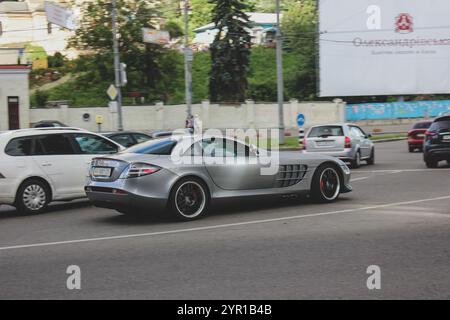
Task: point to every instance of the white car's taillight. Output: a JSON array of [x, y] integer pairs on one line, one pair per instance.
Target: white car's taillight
[[136, 170]]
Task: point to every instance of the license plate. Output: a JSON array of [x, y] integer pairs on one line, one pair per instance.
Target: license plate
[[325, 143], [420, 136], [446, 138], [101, 172]]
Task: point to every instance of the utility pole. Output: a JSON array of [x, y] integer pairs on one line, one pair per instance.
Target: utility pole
[[280, 82], [187, 60], [117, 68]]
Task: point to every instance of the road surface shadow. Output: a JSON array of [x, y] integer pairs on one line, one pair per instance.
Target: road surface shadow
[[54, 208], [241, 206]]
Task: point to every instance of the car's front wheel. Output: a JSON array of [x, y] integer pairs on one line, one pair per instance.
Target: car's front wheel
[[32, 197], [326, 184], [189, 199], [371, 160]]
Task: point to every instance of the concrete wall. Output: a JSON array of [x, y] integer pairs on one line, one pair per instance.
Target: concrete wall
[[159, 116]]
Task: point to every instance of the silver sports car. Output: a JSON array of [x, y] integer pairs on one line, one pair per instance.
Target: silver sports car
[[184, 174]]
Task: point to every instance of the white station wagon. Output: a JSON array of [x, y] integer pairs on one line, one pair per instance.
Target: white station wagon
[[41, 165]]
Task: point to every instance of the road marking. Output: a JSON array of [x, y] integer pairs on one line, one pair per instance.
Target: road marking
[[359, 179], [400, 170], [221, 226]]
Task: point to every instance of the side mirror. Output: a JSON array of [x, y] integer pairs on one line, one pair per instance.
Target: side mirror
[[254, 149]]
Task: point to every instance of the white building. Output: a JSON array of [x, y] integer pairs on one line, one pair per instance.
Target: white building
[[262, 31], [14, 97], [24, 22]]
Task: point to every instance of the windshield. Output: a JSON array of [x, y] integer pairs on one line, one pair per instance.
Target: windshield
[[441, 126], [422, 125], [161, 147], [326, 131]]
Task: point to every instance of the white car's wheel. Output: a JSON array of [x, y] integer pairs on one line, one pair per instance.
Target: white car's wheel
[[32, 197], [326, 184], [189, 199]]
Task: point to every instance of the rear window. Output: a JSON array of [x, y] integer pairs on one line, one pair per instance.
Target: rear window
[[19, 147], [438, 126], [162, 147], [422, 125], [326, 131]]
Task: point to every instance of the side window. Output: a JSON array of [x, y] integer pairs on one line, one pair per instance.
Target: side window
[[356, 132], [19, 147], [123, 139], [54, 144], [92, 144], [224, 148], [141, 137]]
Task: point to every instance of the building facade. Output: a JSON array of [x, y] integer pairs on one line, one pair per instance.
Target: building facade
[[14, 97]]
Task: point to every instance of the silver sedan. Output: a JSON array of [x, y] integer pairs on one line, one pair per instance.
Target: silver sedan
[[184, 174]]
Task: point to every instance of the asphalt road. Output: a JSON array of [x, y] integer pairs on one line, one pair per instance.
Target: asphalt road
[[398, 218]]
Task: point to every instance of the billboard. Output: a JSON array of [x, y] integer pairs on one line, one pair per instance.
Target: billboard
[[61, 16], [156, 36], [384, 47]]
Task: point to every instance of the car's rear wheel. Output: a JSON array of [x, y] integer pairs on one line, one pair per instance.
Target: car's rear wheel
[[356, 162], [430, 163], [326, 184], [371, 160], [411, 149], [32, 197], [189, 199]]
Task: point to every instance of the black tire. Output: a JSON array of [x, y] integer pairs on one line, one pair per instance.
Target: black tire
[[430, 163], [411, 149], [326, 184], [371, 160], [33, 197], [195, 203], [356, 162]]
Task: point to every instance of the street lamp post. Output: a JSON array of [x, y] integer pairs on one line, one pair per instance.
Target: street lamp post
[[117, 65], [280, 83], [187, 60]]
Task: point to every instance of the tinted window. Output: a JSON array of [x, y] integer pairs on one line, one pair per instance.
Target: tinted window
[[440, 126], [92, 144], [19, 147], [123, 139], [326, 131], [224, 148], [141, 137], [55, 144], [422, 125], [158, 147]]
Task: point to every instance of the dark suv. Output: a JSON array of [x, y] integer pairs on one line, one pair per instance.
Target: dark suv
[[437, 142]]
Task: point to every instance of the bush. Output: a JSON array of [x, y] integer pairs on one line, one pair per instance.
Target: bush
[[40, 98]]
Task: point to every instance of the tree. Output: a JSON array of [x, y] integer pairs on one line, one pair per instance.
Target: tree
[[299, 36], [95, 36], [230, 52]]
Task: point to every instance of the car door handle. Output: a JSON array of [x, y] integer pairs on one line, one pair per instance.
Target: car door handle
[[47, 164]]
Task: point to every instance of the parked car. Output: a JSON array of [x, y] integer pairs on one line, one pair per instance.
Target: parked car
[[416, 135], [437, 142], [127, 138], [49, 124], [168, 133], [146, 176], [38, 166], [347, 142]]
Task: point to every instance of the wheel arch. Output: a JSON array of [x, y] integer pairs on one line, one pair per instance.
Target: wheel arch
[[334, 165], [41, 179], [192, 176]]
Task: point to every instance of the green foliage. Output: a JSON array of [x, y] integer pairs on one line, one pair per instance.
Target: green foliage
[[40, 98], [230, 52], [56, 61]]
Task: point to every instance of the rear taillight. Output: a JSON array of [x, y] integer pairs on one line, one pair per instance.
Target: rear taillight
[[430, 135], [140, 169], [348, 142]]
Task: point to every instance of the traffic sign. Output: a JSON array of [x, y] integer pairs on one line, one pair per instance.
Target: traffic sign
[[301, 120], [112, 92]]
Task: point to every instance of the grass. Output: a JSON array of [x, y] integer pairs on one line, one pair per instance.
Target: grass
[[389, 136]]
